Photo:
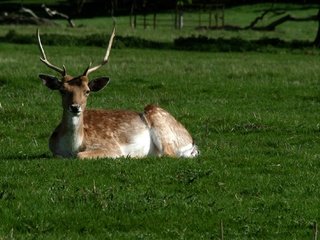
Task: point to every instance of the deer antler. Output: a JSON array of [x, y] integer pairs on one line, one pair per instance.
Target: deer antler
[[45, 60], [105, 59]]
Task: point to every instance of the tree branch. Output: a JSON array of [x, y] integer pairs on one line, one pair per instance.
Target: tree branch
[[272, 26], [28, 11], [260, 18], [53, 13]]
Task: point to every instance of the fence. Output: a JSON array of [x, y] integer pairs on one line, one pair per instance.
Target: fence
[[195, 16]]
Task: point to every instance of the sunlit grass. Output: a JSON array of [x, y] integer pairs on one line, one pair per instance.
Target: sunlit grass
[[253, 115]]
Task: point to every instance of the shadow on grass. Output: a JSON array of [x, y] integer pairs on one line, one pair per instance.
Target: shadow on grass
[[192, 43], [203, 43], [21, 157]]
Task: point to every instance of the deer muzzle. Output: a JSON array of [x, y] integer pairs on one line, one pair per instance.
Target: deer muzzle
[[75, 109]]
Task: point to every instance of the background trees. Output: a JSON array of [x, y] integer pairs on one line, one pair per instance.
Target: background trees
[[90, 8], [82, 8]]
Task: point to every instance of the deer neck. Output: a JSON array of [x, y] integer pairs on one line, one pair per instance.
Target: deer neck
[[72, 137], [72, 123]]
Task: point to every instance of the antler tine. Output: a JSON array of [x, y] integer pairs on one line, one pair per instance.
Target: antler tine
[[106, 57], [45, 60]]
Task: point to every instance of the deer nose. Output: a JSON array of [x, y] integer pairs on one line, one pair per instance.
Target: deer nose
[[75, 108]]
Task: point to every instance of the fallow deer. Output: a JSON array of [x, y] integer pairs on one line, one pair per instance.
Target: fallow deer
[[85, 133]]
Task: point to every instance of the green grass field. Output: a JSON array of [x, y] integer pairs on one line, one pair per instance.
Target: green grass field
[[254, 116]]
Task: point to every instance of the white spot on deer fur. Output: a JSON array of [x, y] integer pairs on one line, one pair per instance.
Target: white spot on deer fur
[[74, 121], [139, 146]]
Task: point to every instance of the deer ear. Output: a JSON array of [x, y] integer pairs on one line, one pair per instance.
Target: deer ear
[[97, 84], [50, 81]]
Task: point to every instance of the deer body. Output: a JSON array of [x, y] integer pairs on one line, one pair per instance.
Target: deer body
[[119, 133], [110, 133]]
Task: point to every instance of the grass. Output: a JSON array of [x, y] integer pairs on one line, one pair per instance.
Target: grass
[[254, 116]]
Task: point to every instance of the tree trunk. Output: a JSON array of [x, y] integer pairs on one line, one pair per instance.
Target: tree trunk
[[317, 40]]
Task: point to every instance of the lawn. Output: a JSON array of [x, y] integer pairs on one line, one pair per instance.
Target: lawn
[[254, 116]]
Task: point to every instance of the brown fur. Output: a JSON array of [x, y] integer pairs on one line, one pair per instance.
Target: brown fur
[[111, 126]]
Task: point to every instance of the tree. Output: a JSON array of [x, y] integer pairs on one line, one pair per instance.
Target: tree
[[317, 39], [284, 18], [53, 13], [78, 5]]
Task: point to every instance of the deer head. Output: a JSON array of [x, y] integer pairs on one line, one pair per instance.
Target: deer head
[[74, 90]]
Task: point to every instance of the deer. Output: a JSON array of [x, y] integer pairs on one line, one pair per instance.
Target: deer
[[103, 133]]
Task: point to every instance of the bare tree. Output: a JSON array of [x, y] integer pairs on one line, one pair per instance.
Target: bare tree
[[284, 18], [53, 13], [317, 40]]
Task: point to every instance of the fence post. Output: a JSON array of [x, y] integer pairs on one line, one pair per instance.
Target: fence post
[[144, 20]]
